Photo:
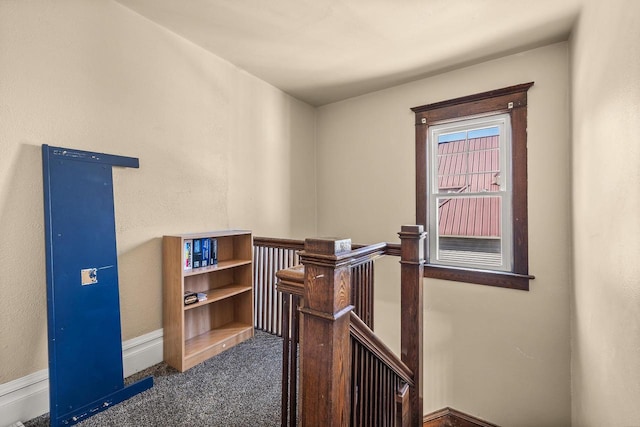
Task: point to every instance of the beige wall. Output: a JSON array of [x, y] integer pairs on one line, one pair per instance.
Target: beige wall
[[211, 138], [606, 202], [499, 354], [93, 75]]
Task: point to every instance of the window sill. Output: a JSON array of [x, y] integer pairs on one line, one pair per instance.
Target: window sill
[[500, 279]]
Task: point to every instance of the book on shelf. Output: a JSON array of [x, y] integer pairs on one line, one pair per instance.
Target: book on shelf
[[197, 253], [201, 296], [190, 297], [213, 251], [188, 255], [204, 245]]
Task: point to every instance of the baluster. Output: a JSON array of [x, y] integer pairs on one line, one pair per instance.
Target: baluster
[[256, 284], [293, 373], [264, 273], [286, 353]]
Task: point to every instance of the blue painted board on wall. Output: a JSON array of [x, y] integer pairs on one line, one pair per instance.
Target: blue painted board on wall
[[83, 307]]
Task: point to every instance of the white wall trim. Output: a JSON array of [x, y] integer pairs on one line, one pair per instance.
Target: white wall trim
[[28, 397], [142, 352]]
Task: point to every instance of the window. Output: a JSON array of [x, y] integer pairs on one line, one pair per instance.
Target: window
[[471, 187], [469, 183]]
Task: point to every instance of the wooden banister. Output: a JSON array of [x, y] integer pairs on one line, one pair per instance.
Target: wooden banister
[[390, 249], [367, 253], [361, 332], [378, 394], [344, 366], [271, 255], [273, 242], [290, 283]]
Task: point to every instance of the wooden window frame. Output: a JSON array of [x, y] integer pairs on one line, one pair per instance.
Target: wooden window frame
[[511, 100]]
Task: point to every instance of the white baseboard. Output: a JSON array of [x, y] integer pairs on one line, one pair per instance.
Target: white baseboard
[[142, 352], [28, 397], [24, 398]]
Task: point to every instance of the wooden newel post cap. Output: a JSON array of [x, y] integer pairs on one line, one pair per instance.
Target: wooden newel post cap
[[327, 287], [412, 240], [412, 229], [327, 246]]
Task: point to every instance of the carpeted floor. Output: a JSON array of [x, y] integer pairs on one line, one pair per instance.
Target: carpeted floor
[[237, 388]]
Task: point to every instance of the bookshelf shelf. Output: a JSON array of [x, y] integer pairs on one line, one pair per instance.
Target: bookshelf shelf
[[223, 337], [224, 292], [222, 265], [195, 332]]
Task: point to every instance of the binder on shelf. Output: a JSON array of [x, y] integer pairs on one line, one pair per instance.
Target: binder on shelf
[[213, 251], [187, 262], [197, 253], [204, 245]]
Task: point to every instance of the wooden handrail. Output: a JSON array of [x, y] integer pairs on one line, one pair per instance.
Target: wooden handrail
[[390, 249], [273, 242], [367, 253], [291, 280]]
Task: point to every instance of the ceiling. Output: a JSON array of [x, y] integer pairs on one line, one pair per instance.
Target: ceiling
[[322, 51]]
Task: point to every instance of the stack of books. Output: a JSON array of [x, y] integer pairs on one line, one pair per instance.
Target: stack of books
[[200, 253]]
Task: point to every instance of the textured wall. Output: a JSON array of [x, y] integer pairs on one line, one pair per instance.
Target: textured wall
[[606, 204], [96, 76], [499, 354]]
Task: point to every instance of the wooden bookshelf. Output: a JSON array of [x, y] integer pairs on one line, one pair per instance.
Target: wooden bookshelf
[[195, 332]]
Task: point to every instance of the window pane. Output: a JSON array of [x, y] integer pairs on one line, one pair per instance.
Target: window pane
[[469, 161], [452, 166], [470, 216], [469, 231]]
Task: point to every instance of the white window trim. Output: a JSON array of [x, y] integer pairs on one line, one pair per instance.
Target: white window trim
[[503, 122]]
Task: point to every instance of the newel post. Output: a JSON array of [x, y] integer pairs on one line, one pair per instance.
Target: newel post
[[325, 346], [411, 274]]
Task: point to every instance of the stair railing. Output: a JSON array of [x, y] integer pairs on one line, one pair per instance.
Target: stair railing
[[269, 256], [347, 375]]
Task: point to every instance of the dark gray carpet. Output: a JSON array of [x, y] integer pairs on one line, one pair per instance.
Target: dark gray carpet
[[238, 388]]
